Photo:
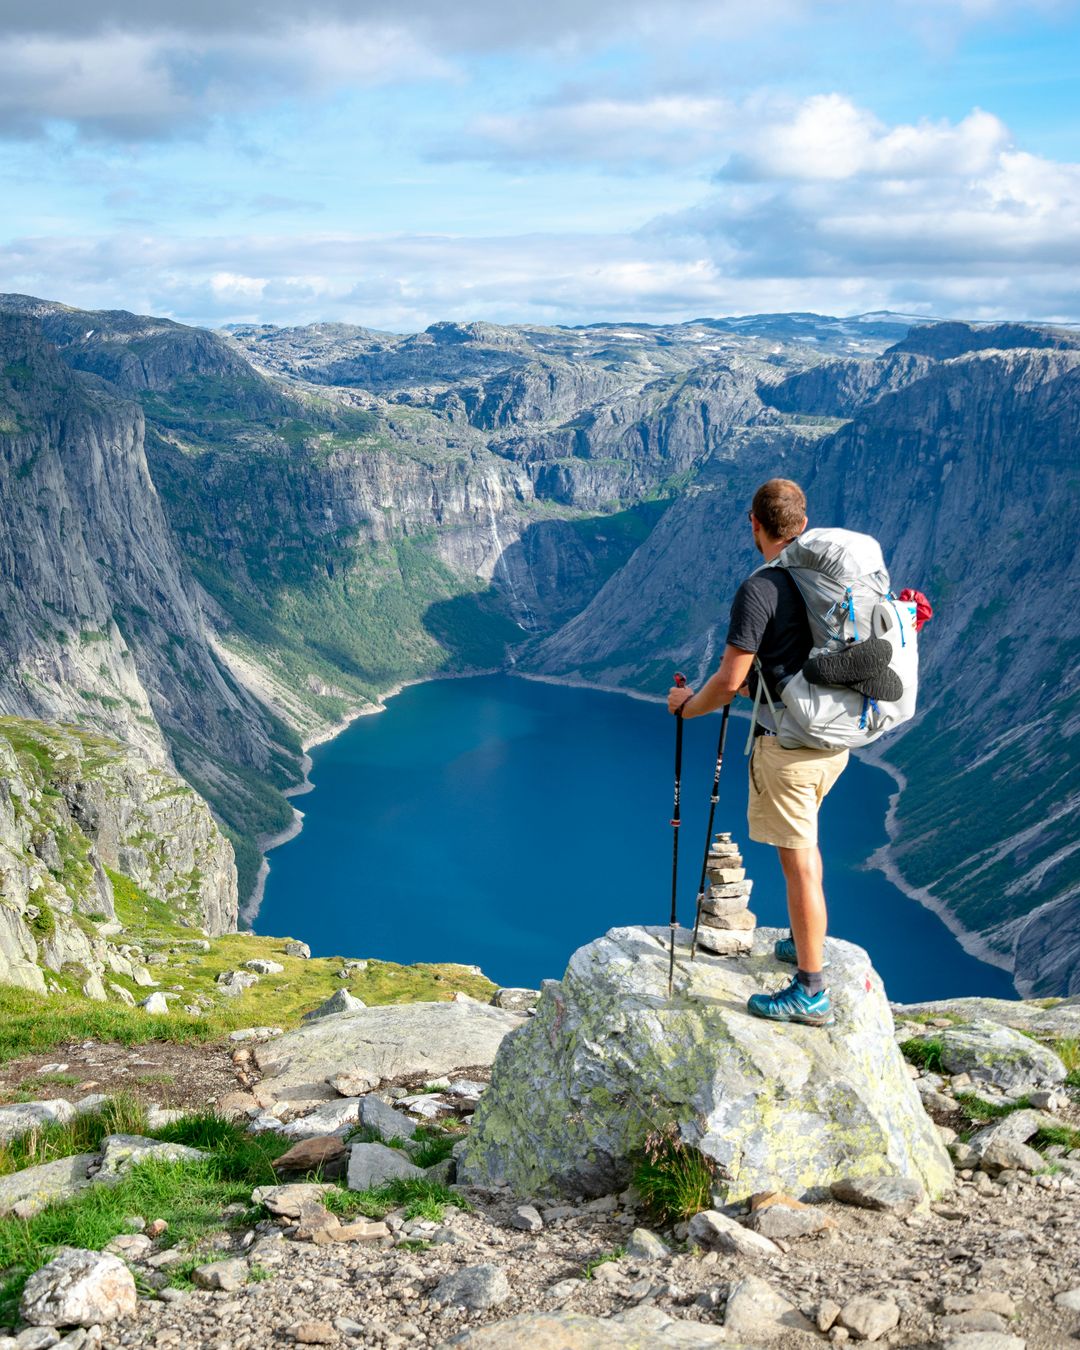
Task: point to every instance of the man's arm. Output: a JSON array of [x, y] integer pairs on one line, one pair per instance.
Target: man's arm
[[718, 690]]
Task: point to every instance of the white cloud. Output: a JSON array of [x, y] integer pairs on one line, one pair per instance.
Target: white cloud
[[135, 85], [405, 282], [827, 137], [668, 130]]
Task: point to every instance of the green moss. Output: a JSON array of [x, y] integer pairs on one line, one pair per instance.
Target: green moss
[[926, 1052], [43, 924]]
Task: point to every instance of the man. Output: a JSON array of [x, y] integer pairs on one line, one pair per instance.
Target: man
[[768, 620]]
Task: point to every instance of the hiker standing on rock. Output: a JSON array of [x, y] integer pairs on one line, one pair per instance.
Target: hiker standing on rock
[[787, 786]]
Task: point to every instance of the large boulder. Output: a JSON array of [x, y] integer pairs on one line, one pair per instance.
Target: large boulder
[[609, 1058], [1061, 1019], [387, 1042], [79, 1289], [992, 1053], [26, 1116], [27, 1192]]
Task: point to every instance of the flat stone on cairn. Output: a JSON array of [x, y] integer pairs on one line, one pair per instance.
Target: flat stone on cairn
[[727, 925]]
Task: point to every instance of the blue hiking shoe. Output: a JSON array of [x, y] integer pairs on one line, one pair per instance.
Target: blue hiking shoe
[[784, 950], [793, 1004]]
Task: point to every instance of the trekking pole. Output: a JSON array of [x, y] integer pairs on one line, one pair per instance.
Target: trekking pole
[[708, 830], [680, 682]]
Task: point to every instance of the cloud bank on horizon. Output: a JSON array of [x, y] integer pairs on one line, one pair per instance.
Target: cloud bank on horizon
[[560, 164]]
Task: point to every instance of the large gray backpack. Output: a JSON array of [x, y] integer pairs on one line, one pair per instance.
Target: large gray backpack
[[844, 583]]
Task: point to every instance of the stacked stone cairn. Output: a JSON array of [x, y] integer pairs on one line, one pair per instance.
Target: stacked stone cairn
[[727, 924]]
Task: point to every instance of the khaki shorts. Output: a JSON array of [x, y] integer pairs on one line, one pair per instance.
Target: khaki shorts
[[786, 789]]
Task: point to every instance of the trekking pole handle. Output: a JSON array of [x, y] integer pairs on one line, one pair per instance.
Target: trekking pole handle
[[680, 683]]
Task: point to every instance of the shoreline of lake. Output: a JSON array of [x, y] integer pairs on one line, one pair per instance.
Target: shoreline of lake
[[883, 859]]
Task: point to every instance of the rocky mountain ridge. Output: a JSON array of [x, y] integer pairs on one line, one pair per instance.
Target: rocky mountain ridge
[[334, 510]]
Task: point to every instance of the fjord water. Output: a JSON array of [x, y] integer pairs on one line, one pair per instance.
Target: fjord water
[[503, 823]]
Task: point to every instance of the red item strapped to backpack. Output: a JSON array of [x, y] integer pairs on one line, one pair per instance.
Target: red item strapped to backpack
[[924, 611]]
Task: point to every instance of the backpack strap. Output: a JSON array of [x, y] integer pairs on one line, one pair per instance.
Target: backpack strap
[[762, 687]]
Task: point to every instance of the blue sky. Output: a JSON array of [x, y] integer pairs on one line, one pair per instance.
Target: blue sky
[[562, 163]]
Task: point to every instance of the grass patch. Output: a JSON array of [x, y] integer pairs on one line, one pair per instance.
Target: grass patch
[[674, 1179], [978, 1108], [430, 1146], [190, 1196], [30, 1024], [926, 1052], [83, 1134], [417, 1197], [590, 1267], [1063, 1135]]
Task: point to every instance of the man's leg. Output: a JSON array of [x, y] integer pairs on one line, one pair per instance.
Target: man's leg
[[806, 905]]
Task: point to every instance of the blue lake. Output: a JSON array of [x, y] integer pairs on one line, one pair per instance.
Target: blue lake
[[503, 823]]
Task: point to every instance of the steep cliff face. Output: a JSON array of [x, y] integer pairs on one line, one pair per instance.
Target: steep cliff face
[[983, 452], [100, 623], [81, 814]]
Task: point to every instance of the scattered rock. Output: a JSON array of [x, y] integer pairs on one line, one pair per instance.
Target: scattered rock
[[79, 1289], [325, 1153], [1002, 1155], [372, 1164], [516, 1000], [527, 1218], [755, 1309], [255, 1033], [891, 1195], [475, 1287], [232, 983], [26, 1116], [1069, 1298], [263, 967], [354, 1082], [715, 1232], [868, 1318], [644, 1245], [121, 1152], [155, 1003], [341, 1001], [315, 1333], [300, 949], [338, 1116], [228, 1275], [992, 1053], [376, 1114]]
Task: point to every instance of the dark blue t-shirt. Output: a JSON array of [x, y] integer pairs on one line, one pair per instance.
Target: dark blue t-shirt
[[768, 617]]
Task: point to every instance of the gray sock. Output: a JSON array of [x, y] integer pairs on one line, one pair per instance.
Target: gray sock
[[811, 980]]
